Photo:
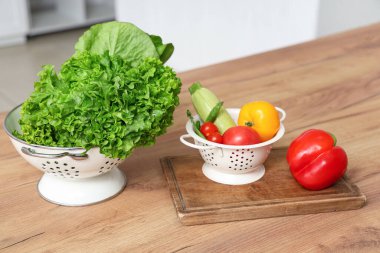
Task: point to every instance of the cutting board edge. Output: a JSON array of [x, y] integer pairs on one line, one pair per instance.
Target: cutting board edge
[[270, 211]]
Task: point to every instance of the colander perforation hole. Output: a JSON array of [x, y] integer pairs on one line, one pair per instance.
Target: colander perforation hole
[[43, 164], [51, 168], [65, 164], [72, 168], [47, 162], [57, 167], [55, 162]]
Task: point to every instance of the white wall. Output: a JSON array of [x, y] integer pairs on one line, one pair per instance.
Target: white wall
[[207, 32], [340, 15]]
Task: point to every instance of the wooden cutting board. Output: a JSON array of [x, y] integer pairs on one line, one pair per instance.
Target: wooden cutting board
[[199, 200]]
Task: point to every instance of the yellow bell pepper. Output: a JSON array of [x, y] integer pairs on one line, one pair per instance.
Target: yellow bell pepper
[[262, 117]]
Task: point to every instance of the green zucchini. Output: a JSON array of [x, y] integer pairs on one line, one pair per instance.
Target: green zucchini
[[204, 101]]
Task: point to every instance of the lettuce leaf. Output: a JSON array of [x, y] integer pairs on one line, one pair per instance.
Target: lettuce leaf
[[164, 50], [101, 100], [125, 40]]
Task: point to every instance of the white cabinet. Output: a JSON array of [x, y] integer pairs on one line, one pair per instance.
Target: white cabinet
[[13, 21], [54, 15], [20, 18]]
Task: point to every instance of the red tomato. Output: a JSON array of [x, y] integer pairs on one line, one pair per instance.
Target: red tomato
[[208, 128], [215, 137], [241, 135]]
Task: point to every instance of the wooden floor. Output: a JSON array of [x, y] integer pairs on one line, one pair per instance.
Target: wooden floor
[[20, 64]]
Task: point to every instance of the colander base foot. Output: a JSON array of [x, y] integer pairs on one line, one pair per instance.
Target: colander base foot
[[82, 192], [233, 179]]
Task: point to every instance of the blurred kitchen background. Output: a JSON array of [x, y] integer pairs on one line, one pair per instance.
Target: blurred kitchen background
[[37, 32]]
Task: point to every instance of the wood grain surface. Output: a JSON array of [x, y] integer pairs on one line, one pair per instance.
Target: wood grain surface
[[331, 83], [199, 200]]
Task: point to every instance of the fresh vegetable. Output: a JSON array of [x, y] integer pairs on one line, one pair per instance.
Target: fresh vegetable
[[204, 101], [262, 117], [215, 137], [124, 40], [113, 93], [208, 128], [314, 160], [210, 131], [240, 135], [196, 125], [214, 112]]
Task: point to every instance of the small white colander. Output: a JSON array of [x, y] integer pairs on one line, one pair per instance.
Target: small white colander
[[229, 164], [71, 177]]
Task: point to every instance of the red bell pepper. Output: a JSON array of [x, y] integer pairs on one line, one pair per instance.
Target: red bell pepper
[[314, 160]]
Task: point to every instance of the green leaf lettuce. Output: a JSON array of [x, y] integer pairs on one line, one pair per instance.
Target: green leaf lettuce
[[105, 95]]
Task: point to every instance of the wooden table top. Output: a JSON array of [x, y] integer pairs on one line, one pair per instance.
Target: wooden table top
[[332, 83]]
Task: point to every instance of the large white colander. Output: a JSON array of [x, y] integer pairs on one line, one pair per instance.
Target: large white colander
[[71, 177], [229, 164]]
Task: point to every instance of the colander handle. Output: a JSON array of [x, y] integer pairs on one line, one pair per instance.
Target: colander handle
[[192, 145], [32, 152], [283, 113]]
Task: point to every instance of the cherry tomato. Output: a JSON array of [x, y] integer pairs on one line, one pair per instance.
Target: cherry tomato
[[215, 137], [208, 128], [241, 135]]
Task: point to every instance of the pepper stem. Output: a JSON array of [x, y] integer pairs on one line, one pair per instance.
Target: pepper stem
[[334, 138], [249, 124]]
